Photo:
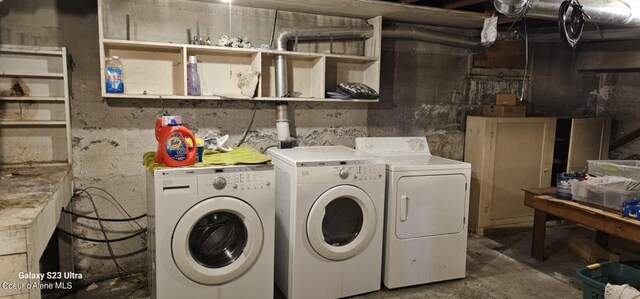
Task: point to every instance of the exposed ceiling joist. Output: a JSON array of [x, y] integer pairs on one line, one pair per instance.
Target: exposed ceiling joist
[[365, 9], [462, 3]]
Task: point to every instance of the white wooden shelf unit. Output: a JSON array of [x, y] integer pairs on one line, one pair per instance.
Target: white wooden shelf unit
[[35, 128], [156, 70]]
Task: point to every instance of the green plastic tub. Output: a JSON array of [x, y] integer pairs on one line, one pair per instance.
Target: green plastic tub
[[595, 277]]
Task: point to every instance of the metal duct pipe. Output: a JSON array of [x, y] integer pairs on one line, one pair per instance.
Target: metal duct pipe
[[432, 36], [589, 34], [282, 122], [320, 33], [606, 12]]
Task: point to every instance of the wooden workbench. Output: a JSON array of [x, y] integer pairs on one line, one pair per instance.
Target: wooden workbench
[[604, 221], [31, 199]]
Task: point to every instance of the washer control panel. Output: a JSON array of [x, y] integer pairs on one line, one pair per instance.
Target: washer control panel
[[241, 181]]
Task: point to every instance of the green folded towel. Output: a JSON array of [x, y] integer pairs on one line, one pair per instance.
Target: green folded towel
[[239, 155]]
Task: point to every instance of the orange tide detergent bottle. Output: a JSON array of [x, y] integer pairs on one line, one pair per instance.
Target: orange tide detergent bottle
[[172, 139]]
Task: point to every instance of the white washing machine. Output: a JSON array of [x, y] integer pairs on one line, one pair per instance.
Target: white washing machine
[[427, 204], [329, 216], [211, 232]]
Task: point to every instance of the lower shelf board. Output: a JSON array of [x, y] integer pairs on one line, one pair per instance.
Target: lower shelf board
[[234, 98], [39, 123], [32, 99]]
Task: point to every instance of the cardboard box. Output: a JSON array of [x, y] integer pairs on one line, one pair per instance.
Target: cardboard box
[[590, 251], [506, 99], [504, 111]]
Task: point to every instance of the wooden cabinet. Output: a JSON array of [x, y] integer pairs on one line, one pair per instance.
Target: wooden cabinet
[[508, 154]]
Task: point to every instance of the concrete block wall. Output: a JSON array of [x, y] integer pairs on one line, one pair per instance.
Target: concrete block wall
[[425, 90], [110, 136]]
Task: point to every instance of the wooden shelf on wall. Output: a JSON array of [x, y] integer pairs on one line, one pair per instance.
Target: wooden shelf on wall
[[18, 49], [48, 123], [32, 75], [44, 129], [157, 70], [32, 99], [316, 100], [163, 62]]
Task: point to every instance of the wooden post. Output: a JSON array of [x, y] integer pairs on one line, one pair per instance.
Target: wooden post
[[602, 239], [539, 230]]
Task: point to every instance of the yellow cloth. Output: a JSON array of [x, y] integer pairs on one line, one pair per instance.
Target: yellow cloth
[[239, 155]]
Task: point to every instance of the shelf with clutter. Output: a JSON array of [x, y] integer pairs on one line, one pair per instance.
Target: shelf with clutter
[[158, 70]]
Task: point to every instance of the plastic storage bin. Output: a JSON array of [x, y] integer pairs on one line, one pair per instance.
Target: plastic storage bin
[[595, 195], [624, 168], [579, 190], [595, 277], [613, 198]]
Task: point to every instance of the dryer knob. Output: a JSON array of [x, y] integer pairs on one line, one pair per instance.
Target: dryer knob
[[219, 183], [344, 173]]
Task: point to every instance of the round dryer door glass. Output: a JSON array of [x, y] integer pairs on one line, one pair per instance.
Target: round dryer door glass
[[342, 221], [217, 239]]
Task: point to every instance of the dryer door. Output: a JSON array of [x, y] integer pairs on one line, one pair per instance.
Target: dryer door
[[217, 240], [341, 222], [430, 205]]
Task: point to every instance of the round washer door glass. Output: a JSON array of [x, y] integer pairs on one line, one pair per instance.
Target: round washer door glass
[[341, 223], [217, 240]]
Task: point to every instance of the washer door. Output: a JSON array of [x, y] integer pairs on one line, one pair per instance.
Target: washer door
[[217, 240], [341, 223]]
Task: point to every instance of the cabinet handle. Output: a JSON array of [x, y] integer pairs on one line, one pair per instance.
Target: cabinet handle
[[404, 205], [546, 170]]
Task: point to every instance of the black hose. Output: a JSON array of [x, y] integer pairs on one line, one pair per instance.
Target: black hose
[[105, 219]]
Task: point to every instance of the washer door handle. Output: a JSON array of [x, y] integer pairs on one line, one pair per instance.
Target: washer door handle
[[404, 205]]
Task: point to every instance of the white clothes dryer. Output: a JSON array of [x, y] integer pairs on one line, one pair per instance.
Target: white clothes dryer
[[427, 204], [211, 232], [329, 215]]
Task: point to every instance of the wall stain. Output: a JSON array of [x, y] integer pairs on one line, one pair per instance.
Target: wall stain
[[111, 142]]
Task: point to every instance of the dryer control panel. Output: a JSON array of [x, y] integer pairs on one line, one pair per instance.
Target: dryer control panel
[[245, 181], [341, 173]]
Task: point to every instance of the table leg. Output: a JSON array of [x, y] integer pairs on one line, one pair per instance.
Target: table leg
[[65, 243], [539, 230], [602, 239]]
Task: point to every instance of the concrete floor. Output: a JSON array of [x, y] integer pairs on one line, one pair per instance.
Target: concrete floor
[[498, 266]]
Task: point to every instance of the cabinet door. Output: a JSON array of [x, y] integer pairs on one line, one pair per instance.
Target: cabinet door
[[522, 157], [589, 141]]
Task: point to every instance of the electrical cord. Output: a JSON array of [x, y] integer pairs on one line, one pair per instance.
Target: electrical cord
[[120, 209], [111, 199], [526, 58], [273, 30], [104, 219], [119, 268], [268, 147], [116, 201], [246, 132], [101, 240]]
